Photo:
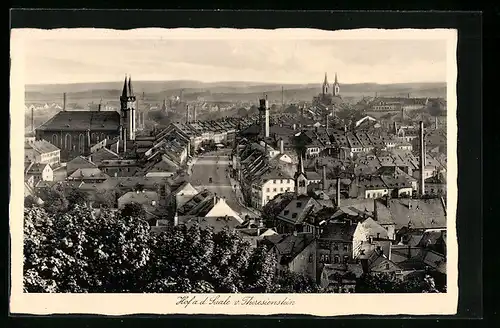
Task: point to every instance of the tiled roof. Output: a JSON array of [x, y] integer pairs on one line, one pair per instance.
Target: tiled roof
[[43, 146], [217, 223], [82, 121], [342, 231], [423, 214], [289, 246]]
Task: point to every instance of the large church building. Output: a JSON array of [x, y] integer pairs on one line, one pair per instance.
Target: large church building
[[75, 132]]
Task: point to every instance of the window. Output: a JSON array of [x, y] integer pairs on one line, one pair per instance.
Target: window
[[310, 258], [336, 259], [346, 258], [387, 266], [286, 212], [281, 181], [288, 189], [346, 248], [299, 204], [267, 189], [335, 247], [274, 181], [54, 140], [267, 197], [274, 189], [294, 215], [281, 189]]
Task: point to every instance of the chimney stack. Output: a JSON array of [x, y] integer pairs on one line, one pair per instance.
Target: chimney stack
[[324, 178], [194, 113], [327, 121], [64, 101], [32, 119], [436, 123], [294, 126], [422, 159], [375, 212], [408, 96], [282, 146], [264, 116], [338, 192], [125, 141], [187, 113]]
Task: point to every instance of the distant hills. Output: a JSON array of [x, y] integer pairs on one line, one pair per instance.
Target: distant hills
[[222, 91]]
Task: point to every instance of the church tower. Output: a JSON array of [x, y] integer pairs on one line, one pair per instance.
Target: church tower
[[300, 179], [336, 87], [325, 85], [127, 109]]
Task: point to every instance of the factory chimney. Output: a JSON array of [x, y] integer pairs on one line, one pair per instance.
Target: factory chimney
[[194, 113], [282, 146], [32, 119], [338, 192], [187, 113], [324, 177], [264, 116], [422, 159], [125, 141], [327, 122], [64, 101], [436, 123]]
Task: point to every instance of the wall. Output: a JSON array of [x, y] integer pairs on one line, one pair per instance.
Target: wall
[[281, 186], [305, 262], [47, 174]]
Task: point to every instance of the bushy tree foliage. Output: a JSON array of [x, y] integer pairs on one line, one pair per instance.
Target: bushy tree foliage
[[387, 283], [291, 282], [54, 200], [134, 210]]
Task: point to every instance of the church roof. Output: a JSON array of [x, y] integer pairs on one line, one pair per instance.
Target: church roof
[[83, 121]]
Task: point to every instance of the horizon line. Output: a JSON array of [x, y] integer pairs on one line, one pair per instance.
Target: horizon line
[[230, 81]]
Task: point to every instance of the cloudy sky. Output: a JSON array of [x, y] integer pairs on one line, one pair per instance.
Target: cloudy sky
[[273, 59]]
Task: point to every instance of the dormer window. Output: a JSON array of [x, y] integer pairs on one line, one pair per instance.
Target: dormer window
[[299, 204], [294, 215], [286, 212]]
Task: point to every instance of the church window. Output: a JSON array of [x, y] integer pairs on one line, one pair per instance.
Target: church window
[[54, 140], [346, 248], [67, 141], [336, 259], [346, 258], [81, 142], [335, 247]]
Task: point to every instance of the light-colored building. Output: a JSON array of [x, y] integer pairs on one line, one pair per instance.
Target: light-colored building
[[43, 152]]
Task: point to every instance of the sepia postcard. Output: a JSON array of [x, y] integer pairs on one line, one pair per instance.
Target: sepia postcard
[[233, 171]]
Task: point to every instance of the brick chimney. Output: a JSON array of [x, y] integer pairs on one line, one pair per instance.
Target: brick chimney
[[282, 146], [324, 178], [422, 159], [338, 192], [375, 211]]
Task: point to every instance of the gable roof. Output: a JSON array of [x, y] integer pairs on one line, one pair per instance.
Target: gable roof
[[103, 154], [420, 213], [43, 146], [298, 209], [83, 121], [289, 246], [218, 223], [88, 173]]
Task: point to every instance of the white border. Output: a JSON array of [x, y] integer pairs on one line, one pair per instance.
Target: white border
[[315, 304]]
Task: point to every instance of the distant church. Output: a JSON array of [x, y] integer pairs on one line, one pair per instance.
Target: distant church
[[74, 132], [327, 98]]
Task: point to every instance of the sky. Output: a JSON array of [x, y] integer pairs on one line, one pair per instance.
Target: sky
[[234, 57]]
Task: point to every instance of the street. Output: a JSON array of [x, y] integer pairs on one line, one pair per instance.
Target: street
[[215, 165]]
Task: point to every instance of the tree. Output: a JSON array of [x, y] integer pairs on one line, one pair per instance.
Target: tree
[[54, 200], [105, 199], [388, 283], [242, 112], [133, 210], [292, 109], [76, 196], [292, 282], [260, 273], [79, 251], [30, 201]]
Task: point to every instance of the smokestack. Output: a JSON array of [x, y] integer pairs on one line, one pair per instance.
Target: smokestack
[[338, 192], [436, 124], [32, 119], [187, 113], [294, 126], [422, 159], [402, 113], [99, 107], [324, 177], [194, 113], [282, 146], [282, 98], [408, 96], [395, 127], [64, 101], [327, 122], [176, 219], [125, 142], [264, 116]]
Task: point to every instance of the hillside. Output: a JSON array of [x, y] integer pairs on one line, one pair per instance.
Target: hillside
[[222, 91]]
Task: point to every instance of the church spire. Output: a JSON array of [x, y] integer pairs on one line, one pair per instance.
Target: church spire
[[325, 85], [125, 87], [300, 166], [336, 80], [326, 79]]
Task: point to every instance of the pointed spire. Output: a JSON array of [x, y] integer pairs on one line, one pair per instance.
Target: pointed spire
[[300, 166], [130, 90], [326, 79], [125, 88]]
